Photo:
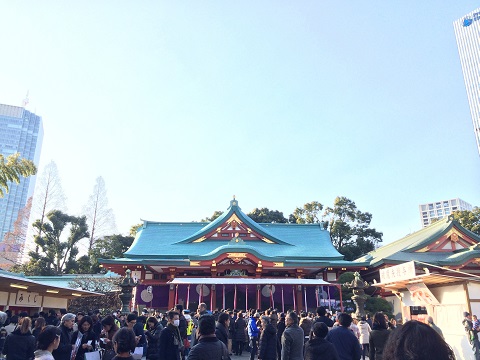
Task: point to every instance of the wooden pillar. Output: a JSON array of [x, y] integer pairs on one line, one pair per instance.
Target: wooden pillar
[[299, 298], [299, 291], [171, 291], [258, 270], [171, 296], [213, 297]]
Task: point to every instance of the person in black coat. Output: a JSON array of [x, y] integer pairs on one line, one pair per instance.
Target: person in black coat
[[208, 346], [20, 344], [154, 329], [321, 317], [52, 318], [64, 350], [221, 329], [86, 335], [378, 337], [268, 340], [240, 337], [317, 347], [280, 329], [170, 340]]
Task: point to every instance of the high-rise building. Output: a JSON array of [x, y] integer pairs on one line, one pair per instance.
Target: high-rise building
[[441, 209], [20, 131], [467, 30]]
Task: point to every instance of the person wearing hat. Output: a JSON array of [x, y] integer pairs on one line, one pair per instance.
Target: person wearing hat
[[471, 334], [64, 350]]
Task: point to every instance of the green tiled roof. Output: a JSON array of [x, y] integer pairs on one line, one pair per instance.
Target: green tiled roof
[[173, 241], [404, 249]]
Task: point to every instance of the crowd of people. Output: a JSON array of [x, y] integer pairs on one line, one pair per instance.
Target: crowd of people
[[178, 335]]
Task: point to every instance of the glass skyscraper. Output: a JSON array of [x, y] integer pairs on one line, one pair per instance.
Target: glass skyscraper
[[20, 131], [467, 32]]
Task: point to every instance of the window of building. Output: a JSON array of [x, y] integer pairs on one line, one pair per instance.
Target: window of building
[[425, 214], [439, 212], [432, 213], [445, 203], [454, 202], [430, 206], [438, 205]]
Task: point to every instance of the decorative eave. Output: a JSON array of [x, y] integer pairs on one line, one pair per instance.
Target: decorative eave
[[233, 215], [429, 240]]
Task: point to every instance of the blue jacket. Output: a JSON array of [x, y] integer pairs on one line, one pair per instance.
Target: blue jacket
[[252, 327], [346, 344]]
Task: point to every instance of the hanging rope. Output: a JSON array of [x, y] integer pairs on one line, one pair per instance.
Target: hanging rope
[[235, 297], [223, 296], [305, 295], [294, 300]]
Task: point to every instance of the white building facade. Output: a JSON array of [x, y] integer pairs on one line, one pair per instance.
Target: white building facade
[[441, 209], [467, 33]]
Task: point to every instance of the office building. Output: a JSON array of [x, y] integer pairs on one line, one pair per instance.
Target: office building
[[441, 209], [467, 30], [20, 131]]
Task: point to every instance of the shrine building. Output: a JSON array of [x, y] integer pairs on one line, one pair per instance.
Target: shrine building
[[233, 262]]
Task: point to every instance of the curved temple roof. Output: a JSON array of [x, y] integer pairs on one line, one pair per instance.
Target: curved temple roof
[[233, 231]]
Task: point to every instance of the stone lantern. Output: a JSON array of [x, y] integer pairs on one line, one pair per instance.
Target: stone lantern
[[127, 285], [359, 298]]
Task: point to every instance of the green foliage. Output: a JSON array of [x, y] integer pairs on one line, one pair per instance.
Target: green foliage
[[344, 278], [470, 220], [376, 304], [308, 214], [107, 286], [56, 255], [265, 215], [109, 247], [350, 229], [12, 169], [215, 215], [134, 229]]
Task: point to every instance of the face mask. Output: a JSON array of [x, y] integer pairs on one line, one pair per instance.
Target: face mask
[[176, 322]]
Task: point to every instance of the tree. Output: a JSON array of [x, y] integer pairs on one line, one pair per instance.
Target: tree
[[13, 244], [13, 169], [100, 217], [470, 220], [308, 214], [134, 229], [265, 215], [56, 256], [350, 229], [107, 286], [109, 247], [49, 193], [376, 304], [215, 215]]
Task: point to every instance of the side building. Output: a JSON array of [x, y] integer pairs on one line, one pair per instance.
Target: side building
[[466, 32], [20, 131], [432, 272]]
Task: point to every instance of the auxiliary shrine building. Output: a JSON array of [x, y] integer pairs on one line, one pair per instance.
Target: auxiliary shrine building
[[233, 262]]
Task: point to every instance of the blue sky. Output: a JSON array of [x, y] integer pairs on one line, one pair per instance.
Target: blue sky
[[181, 105]]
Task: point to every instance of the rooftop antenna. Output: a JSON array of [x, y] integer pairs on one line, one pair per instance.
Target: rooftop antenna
[[26, 100]]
